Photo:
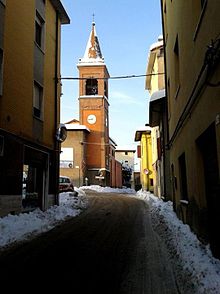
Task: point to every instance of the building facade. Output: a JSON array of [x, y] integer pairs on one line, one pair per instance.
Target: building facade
[[29, 103], [146, 165], [126, 156], [192, 54], [115, 167], [73, 153], [155, 84]]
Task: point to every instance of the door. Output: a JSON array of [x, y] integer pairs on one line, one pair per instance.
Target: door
[[207, 145]]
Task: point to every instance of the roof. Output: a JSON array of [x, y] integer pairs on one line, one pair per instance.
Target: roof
[[77, 127], [125, 148], [143, 130], [112, 142], [93, 54], [158, 95], [156, 108], [157, 44], [72, 121], [61, 11]]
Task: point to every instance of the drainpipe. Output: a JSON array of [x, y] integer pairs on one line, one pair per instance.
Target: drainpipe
[[57, 144]]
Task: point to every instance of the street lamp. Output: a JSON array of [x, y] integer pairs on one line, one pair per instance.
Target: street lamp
[[77, 166]]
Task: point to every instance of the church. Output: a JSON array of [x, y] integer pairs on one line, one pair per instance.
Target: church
[[88, 153]]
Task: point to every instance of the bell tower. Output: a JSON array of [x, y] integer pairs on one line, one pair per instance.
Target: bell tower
[[93, 110]]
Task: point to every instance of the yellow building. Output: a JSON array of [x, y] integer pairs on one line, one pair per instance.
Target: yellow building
[[146, 168], [155, 83], [29, 103], [192, 50]]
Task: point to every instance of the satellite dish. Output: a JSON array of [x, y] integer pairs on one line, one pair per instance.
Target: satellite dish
[[61, 133]]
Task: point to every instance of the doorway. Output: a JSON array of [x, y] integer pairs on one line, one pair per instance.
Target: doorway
[[208, 148], [34, 179]]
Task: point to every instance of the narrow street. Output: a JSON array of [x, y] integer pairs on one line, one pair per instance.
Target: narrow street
[[108, 248]]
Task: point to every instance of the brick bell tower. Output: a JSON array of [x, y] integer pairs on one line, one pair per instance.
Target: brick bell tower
[[93, 110]]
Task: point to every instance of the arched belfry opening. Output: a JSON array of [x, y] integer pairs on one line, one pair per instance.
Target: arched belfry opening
[[91, 87], [106, 89]]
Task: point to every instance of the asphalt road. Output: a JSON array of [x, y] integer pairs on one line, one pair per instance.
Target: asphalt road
[[109, 248]]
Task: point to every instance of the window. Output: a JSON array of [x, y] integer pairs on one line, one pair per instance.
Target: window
[[176, 65], [91, 87], [139, 151], [183, 178], [126, 152], [39, 30], [198, 8], [38, 99], [165, 7], [1, 71]]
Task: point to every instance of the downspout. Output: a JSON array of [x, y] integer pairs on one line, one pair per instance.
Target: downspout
[[57, 144]]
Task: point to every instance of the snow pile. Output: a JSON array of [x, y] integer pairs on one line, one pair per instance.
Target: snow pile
[[26, 225], [100, 189], [196, 270]]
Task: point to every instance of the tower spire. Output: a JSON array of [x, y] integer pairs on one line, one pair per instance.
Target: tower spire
[[92, 49], [93, 52]]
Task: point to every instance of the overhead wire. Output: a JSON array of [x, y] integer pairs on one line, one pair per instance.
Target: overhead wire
[[111, 78]]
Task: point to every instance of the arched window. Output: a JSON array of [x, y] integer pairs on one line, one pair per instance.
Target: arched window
[[91, 87]]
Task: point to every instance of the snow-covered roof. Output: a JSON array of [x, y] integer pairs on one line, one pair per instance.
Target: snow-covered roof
[[156, 107], [93, 52], [145, 129], [157, 44], [77, 127], [125, 148], [158, 95]]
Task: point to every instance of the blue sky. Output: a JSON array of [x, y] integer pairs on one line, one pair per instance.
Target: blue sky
[[126, 30]]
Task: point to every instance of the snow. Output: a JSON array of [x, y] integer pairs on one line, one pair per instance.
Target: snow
[[195, 269], [157, 44], [76, 127], [27, 225]]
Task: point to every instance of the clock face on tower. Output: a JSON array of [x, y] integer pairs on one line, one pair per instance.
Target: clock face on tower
[[91, 119]]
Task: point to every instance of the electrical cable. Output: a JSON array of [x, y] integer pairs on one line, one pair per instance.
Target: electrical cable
[[111, 78]]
